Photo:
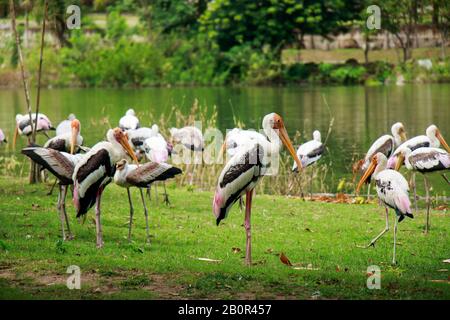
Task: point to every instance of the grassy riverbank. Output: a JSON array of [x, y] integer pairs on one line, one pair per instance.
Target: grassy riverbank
[[319, 239]]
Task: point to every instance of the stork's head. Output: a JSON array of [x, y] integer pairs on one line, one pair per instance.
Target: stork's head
[[434, 132], [71, 117], [403, 153], [75, 125], [398, 130], [122, 138], [274, 122], [130, 112], [379, 160]]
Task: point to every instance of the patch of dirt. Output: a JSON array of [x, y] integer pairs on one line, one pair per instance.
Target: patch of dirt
[[161, 285]]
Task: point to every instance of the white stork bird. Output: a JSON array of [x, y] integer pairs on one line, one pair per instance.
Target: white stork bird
[[191, 138], [385, 144], [243, 171], [424, 160], [310, 152], [129, 121], [65, 125], [392, 190], [2, 137], [24, 128], [95, 171], [142, 176], [69, 141], [433, 138], [61, 165]]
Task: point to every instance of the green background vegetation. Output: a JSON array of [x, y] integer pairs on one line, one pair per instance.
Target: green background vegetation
[[159, 42]]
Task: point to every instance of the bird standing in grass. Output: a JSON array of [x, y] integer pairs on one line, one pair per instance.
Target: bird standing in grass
[[392, 189], [243, 171], [95, 171], [424, 160], [142, 176], [61, 165]]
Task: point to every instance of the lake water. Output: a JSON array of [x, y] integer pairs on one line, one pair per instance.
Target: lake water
[[361, 114]]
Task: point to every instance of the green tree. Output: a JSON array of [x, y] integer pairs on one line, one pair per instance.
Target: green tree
[[274, 23]]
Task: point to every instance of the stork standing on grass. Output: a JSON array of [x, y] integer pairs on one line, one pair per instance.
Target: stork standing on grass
[[129, 121], [2, 137], [392, 190], [385, 144], [61, 165], [424, 160], [129, 175], [95, 171], [24, 127], [243, 171], [433, 138]]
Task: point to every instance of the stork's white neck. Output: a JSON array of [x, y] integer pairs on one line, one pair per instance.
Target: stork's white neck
[[274, 143], [382, 164]]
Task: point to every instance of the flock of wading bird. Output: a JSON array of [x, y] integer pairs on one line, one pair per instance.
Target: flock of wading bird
[[90, 170]]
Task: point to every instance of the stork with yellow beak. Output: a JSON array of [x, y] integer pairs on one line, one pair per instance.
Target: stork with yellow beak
[[393, 191], [243, 171], [69, 142], [96, 170]]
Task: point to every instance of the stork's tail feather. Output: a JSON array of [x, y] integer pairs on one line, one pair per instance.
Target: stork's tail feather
[[409, 215]]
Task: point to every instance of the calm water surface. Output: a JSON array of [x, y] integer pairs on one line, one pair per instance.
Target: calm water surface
[[361, 114]]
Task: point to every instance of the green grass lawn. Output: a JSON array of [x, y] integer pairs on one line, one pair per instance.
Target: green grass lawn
[[323, 236]]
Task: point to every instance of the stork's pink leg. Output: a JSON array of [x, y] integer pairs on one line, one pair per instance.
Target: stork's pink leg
[[98, 224], [247, 225]]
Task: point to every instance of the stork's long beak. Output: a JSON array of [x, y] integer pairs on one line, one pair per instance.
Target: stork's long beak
[[16, 133], [369, 171], [403, 137], [126, 145], [442, 141], [400, 160], [287, 142], [73, 139]]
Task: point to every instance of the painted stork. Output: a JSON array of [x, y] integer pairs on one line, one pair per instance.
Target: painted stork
[[243, 171], [69, 141], [2, 137], [61, 165], [129, 121], [142, 176], [385, 144], [95, 171], [65, 125], [310, 152], [392, 190], [424, 160], [23, 125], [433, 138]]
